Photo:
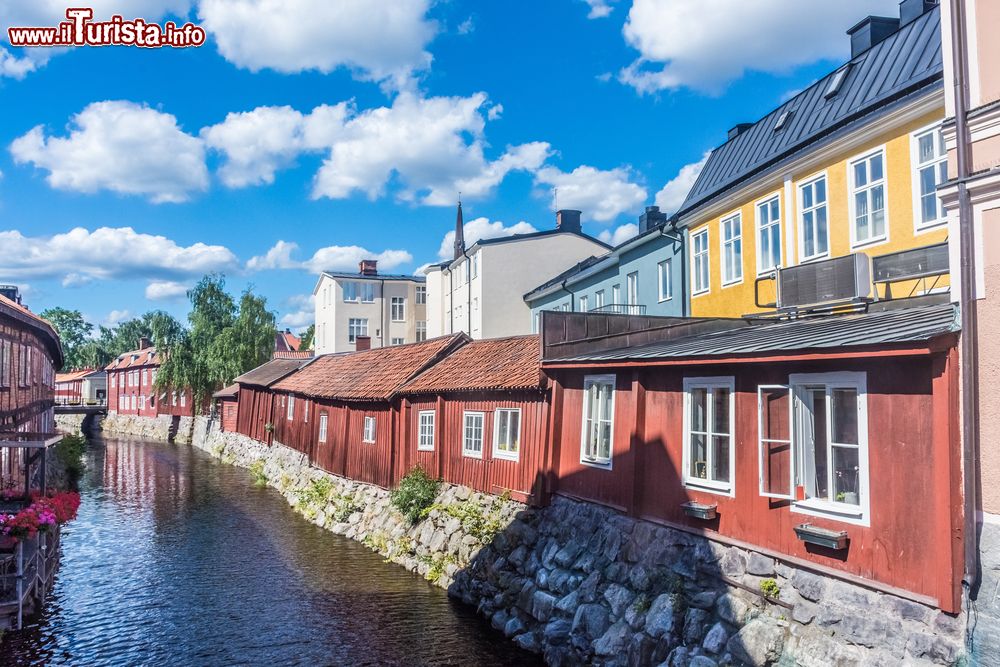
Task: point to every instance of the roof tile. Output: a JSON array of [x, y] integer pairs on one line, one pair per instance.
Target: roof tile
[[492, 364]]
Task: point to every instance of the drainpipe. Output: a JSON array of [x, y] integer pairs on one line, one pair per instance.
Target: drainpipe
[[676, 237], [970, 328], [381, 314]]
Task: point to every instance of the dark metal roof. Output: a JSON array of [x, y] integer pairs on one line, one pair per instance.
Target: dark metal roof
[[377, 276], [905, 62], [886, 327], [267, 374]]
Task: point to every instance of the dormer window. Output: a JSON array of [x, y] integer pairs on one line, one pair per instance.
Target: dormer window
[[783, 118], [836, 81]]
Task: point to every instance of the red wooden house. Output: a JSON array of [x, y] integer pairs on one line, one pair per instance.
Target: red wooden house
[[255, 415], [132, 386], [30, 354], [829, 442], [227, 407], [338, 410], [479, 418]]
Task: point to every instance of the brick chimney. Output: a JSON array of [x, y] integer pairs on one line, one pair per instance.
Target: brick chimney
[[368, 267], [362, 343], [144, 342], [568, 220]]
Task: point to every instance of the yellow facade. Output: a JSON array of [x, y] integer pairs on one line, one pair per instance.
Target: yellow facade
[[737, 299]]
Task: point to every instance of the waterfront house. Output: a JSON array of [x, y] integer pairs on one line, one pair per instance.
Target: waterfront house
[[87, 386], [479, 417], [480, 291], [255, 412], [227, 407], [388, 309], [132, 386], [642, 276], [849, 165]]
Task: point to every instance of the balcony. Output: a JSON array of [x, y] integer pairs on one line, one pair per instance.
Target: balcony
[[621, 309]]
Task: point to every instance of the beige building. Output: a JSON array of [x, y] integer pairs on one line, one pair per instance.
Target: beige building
[[380, 309]]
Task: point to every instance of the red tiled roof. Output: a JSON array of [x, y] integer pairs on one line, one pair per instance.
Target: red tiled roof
[[374, 374], [292, 354], [291, 340], [491, 364], [135, 358], [231, 391], [74, 375]]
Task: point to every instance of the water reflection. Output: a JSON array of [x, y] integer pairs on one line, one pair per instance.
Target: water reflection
[[176, 560]]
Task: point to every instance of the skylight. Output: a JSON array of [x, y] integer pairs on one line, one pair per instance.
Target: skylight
[[783, 118], [836, 81]]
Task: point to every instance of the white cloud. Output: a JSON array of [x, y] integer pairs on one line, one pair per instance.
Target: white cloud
[[80, 256], [705, 44], [672, 195], [116, 316], [16, 67], [122, 147], [621, 234], [478, 229], [495, 112], [166, 290], [330, 258], [377, 41], [466, 26], [599, 9], [602, 195], [301, 311]]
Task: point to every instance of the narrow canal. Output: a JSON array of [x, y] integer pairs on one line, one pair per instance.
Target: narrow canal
[[176, 559]]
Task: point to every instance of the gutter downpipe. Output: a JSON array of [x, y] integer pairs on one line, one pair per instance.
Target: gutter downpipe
[[674, 235], [970, 329]]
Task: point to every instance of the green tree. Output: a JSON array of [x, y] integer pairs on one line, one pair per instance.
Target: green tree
[[249, 342], [306, 340], [73, 331]]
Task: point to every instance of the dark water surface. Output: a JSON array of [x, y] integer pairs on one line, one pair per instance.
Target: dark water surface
[[176, 559]]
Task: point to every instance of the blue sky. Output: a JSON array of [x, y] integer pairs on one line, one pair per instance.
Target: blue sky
[[305, 139]]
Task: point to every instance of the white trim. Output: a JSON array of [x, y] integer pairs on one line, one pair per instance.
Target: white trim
[[694, 263], [811, 180], [788, 246], [775, 195], [972, 35], [708, 485], [420, 416], [497, 452], [738, 216], [760, 442], [918, 226], [291, 408], [369, 419], [665, 267], [471, 453], [323, 426], [598, 462], [851, 222]]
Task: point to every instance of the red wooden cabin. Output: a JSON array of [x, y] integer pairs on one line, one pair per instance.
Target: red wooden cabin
[[227, 407], [479, 418], [69, 386], [829, 442], [255, 416]]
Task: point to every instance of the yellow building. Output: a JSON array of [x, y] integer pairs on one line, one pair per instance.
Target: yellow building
[[850, 164]]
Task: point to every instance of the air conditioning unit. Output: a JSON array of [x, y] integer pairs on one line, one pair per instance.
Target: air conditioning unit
[[838, 280]]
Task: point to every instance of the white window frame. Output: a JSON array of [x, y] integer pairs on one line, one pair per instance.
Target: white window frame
[[697, 257], [475, 266], [665, 280], [763, 442], [353, 332], [351, 292], [498, 451], [597, 461], [852, 191], [709, 485], [183, 399], [762, 268], [305, 412], [291, 408], [367, 292], [919, 227], [584, 304], [803, 209], [421, 331], [481, 416], [425, 441], [324, 420], [599, 299], [421, 296], [736, 240], [632, 288], [397, 340], [616, 294], [397, 302], [368, 430]]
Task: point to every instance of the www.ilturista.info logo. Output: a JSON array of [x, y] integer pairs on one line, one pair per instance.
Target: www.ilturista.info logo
[[80, 30]]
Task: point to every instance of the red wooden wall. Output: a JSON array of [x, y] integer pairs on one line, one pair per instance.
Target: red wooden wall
[[26, 406], [228, 409], [255, 413]]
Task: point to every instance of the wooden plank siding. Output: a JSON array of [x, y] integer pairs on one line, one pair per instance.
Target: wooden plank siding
[[255, 413], [228, 409], [25, 405]]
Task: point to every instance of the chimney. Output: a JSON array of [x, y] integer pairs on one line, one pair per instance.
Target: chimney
[[738, 129], [911, 10], [368, 267], [144, 343], [869, 32], [568, 220], [362, 343], [459, 232], [651, 218], [11, 292]]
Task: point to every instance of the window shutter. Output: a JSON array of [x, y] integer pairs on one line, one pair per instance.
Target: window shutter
[[776, 456]]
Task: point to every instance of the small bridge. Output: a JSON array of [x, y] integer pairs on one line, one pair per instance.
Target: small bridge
[[81, 409]]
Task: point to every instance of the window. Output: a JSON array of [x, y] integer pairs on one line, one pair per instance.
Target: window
[[664, 280], [421, 295], [142, 402], [472, 442], [356, 326], [598, 419], [632, 288], [931, 160], [475, 265], [425, 435], [616, 294], [396, 341], [173, 402], [507, 434], [132, 401], [599, 299], [475, 304], [708, 433], [699, 262], [783, 119], [367, 292], [305, 412], [768, 235], [6, 351], [868, 198], [291, 408], [351, 292], [836, 81], [397, 309], [322, 426], [584, 304], [145, 377], [369, 432], [732, 249], [111, 374], [421, 331], [815, 234]]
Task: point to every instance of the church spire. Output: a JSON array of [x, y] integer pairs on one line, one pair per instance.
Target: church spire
[[459, 231]]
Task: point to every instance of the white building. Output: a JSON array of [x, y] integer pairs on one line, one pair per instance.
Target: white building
[[481, 291], [378, 308]]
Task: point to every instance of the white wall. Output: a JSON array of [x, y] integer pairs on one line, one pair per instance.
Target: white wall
[[333, 313]]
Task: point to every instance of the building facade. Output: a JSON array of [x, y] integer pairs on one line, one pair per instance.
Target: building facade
[[644, 275], [481, 291], [388, 309], [88, 386], [849, 165], [132, 386], [30, 355]]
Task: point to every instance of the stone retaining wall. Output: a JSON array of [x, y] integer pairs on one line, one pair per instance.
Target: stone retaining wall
[[70, 423], [582, 584], [151, 428]]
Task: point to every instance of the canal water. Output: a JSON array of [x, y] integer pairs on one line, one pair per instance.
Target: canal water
[[177, 559]]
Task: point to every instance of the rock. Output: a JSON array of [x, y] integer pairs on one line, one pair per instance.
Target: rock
[[906, 610], [704, 599], [702, 661], [499, 619], [542, 604], [619, 598], [591, 621], [514, 627], [518, 556], [760, 565], [635, 614], [557, 632], [867, 629], [694, 621], [732, 609], [715, 640], [640, 650], [588, 589], [528, 641], [932, 647], [638, 578], [804, 612], [565, 556], [569, 603], [677, 658], [734, 563], [759, 642], [613, 640], [809, 586], [660, 619]]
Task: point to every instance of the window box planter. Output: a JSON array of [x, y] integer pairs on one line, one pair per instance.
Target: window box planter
[[831, 539], [699, 510]]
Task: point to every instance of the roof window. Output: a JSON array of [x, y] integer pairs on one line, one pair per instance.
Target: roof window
[[836, 81], [783, 118]]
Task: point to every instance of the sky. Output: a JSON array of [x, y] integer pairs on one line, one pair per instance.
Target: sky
[[305, 135]]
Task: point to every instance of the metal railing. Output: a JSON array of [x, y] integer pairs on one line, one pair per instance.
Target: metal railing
[[27, 569], [621, 309]]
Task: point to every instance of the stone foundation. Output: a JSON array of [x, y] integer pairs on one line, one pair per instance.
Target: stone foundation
[[150, 428], [986, 607], [582, 584], [70, 423]]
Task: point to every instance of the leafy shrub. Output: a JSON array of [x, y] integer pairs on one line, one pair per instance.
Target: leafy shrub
[[415, 494], [70, 452], [484, 525], [770, 588], [257, 473]]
